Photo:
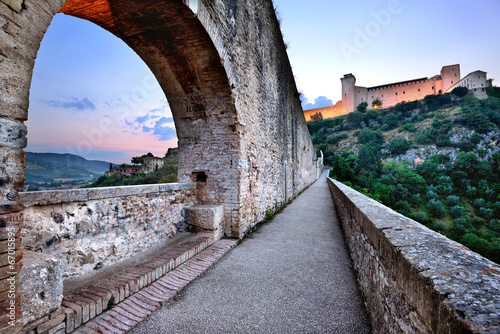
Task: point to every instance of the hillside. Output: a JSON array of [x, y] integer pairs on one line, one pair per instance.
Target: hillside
[[436, 161], [46, 169]]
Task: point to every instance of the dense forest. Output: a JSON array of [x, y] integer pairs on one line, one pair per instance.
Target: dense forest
[[436, 161]]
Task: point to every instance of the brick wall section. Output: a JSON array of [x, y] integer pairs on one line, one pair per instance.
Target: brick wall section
[[414, 279], [85, 228]]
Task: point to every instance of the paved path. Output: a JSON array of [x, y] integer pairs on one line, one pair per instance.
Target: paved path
[[293, 275]]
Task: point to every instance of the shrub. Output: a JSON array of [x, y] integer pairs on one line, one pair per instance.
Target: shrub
[[373, 124], [402, 205], [355, 118], [398, 146], [436, 208], [440, 226], [431, 194], [391, 120], [448, 190], [415, 199], [434, 102], [460, 91], [367, 136], [471, 191], [445, 180], [476, 138], [410, 127], [372, 114], [362, 106], [421, 217], [462, 221], [490, 193], [479, 202], [457, 211], [452, 200], [466, 145], [431, 188], [423, 139], [477, 244], [485, 213]]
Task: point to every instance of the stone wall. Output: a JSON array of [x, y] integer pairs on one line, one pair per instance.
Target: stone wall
[[224, 69], [86, 229], [277, 159], [414, 279]]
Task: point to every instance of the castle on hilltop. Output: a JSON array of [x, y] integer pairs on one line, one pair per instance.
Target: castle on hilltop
[[411, 90]]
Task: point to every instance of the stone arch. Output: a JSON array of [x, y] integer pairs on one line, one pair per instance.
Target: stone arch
[[172, 41]]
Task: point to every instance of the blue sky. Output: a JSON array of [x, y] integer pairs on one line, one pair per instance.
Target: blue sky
[[92, 95]]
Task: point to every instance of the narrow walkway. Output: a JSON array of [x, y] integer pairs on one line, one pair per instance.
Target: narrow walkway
[[293, 275]]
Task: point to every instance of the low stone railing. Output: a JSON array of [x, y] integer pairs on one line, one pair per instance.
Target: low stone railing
[[414, 279], [87, 229]]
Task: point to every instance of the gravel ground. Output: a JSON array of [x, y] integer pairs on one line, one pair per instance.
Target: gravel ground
[[293, 275]]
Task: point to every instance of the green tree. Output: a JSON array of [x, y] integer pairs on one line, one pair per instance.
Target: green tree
[[460, 91], [355, 118], [377, 103], [369, 158], [398, 146], [317, 117], [436, 208], [391, 120], [362, 107], [457, 211]]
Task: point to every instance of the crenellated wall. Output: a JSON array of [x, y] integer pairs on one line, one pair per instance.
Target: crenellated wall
[[414, 279]]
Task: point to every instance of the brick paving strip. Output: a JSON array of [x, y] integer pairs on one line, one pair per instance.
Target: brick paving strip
[[118, 303]]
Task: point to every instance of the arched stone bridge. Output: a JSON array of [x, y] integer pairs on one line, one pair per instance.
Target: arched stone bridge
[[224, 69]]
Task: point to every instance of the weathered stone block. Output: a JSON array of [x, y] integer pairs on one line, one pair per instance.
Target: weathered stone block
[[13, 134], [206, 218], [16, 5], [41, 285]]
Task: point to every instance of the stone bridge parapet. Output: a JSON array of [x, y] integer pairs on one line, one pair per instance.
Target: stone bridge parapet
[[414, 279], [87, 229]]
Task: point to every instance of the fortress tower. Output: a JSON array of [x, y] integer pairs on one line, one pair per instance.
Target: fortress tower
[[450, 75], [348, 92]]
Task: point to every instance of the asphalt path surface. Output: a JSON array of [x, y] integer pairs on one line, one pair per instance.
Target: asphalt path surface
[[293, 275]]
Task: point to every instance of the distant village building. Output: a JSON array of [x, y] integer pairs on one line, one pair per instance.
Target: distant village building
[[127, 170], [152, 164], [411, 90]]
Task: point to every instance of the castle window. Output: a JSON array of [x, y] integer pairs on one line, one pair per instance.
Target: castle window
[[455, 74], [361, 99], [396, 93], [419, 89], [432, 87], [451, 81], [382, 95], [404, 92], [479, 77], [373, 97]]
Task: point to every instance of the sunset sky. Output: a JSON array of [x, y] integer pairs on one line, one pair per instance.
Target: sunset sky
[[91, 95]]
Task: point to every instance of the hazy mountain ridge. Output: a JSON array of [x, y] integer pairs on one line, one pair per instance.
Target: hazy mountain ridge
[[50, 167]]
